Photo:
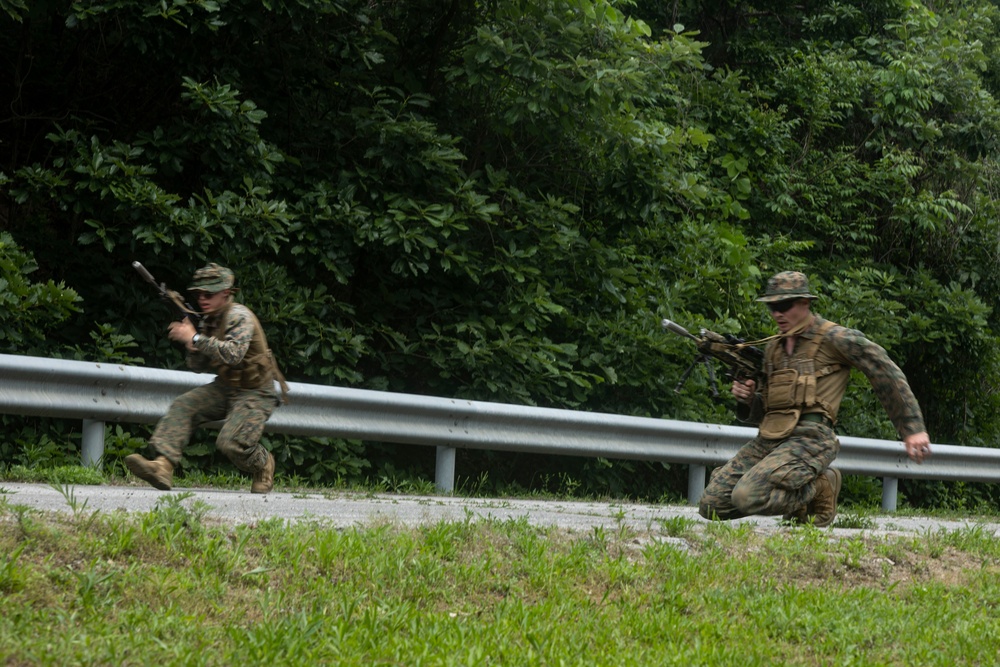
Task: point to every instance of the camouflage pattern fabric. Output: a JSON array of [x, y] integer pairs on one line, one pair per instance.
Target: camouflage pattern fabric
[[212, 278], [853, 349], [228, 349], [886, 378], [779, 476], [771, 476], [245, 412], [787, 285]]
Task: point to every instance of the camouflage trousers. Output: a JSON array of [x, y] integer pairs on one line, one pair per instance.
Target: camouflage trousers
[[770, 477], [245, 412]]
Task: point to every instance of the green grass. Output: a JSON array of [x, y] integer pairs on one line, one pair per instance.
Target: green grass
[[170, 587], [55, 475]]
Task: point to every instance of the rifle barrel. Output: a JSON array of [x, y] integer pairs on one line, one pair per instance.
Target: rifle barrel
[[678, 329], [146, 275]]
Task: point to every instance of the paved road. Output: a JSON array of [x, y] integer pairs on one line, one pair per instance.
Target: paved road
[[350, 509]]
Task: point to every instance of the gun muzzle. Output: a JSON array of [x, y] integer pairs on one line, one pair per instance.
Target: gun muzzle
[[678, 329], [146, 275]]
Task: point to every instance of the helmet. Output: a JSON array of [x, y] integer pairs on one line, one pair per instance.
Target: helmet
[[212, 278], [787, 285]]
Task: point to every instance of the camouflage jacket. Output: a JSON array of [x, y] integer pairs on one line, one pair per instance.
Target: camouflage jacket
[[850, 348], [232, 344]]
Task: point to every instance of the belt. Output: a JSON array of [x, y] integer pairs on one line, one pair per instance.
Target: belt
[[817, 417]]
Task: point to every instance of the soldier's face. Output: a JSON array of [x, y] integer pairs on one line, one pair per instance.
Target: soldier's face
[[208, 302], [789, 314]]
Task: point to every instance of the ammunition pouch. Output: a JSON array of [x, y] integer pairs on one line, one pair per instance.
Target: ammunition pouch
[[781, 389], [779, 424]]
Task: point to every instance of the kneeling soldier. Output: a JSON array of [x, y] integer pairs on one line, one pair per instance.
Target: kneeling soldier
[[786, 468]]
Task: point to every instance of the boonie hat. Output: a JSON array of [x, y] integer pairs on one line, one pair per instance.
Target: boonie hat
[[787, 285], [212, 278]]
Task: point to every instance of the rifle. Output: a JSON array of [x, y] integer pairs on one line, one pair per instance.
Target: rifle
[[183, 308], [743, 361]]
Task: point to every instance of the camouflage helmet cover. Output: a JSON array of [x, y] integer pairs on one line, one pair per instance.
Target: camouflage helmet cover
[[212, 278], [787, 285]]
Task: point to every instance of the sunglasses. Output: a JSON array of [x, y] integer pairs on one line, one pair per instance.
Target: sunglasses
[[781, 306]]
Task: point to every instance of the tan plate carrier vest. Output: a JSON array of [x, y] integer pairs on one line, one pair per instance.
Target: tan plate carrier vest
[[258, 368], [791, 391]]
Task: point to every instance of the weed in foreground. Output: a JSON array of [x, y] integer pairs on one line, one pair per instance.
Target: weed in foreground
[[11, 575], [677, 526], [854, 520]]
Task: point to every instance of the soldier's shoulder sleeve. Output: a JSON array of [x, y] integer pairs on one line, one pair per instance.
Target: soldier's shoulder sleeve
[[852, 346], [886, 377], [239, 322]]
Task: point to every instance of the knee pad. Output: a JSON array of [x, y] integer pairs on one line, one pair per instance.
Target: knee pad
[[741, 498]]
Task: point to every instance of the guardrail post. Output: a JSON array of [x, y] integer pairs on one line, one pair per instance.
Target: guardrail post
[[93, 443], [890, 487], [444, 469], [696, 483]]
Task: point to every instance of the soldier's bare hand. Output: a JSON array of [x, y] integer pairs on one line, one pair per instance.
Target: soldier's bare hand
[[181, 332], [743, 390], [918, 446]]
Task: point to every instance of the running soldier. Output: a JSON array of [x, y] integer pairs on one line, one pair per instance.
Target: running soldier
[[786, 468], [229, 341]]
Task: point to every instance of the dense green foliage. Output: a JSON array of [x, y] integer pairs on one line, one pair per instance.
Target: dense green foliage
[[500, 200]]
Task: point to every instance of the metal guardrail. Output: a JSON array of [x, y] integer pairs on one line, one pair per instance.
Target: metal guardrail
[[97, 393]]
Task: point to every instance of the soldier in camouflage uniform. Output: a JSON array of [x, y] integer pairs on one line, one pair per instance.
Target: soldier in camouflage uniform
[[230, 342], [786, 469]]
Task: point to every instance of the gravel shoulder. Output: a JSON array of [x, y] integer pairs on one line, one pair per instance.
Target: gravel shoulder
[[341, 509]]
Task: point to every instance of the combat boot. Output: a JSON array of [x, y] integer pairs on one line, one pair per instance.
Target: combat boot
[[159, 472], [263, 479], [824, 506]]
